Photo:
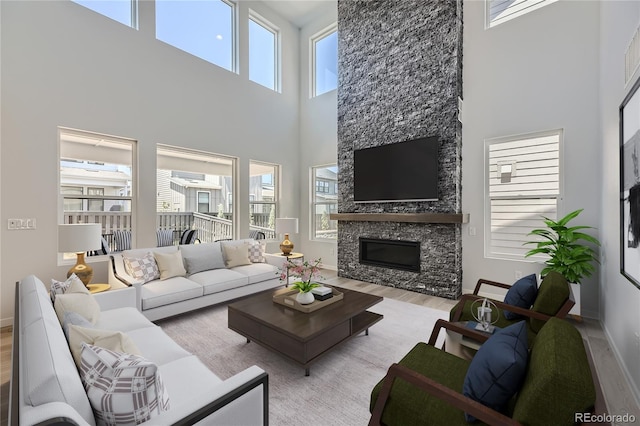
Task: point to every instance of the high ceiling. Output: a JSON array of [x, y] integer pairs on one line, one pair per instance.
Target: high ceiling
[[301, 12]]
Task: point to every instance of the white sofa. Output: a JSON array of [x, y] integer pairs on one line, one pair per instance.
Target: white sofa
[[161, 298], [46, 387]]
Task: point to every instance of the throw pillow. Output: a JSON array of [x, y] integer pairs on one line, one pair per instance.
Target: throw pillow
[[202, 257], [122, 388], [497, 370], [82, 303], [236, 254], [142, 268], [256, 251], [73, 318], [522, 294], [170, 265], [73, 284], [109, 339]]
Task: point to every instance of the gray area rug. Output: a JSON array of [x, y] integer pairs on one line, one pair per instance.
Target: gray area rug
[[338, 390]]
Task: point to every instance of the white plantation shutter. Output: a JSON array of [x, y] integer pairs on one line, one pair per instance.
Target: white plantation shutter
[[499, 11], [523, 186]]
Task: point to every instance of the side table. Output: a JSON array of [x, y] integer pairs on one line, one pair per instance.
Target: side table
[[463, 346], [98, 288]]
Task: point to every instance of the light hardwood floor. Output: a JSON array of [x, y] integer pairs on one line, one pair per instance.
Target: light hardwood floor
[[618, 396]]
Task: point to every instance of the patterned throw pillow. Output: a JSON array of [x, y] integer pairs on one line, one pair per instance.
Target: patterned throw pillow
[[144, 268], [256, 251], [122, 388], [61, 287]]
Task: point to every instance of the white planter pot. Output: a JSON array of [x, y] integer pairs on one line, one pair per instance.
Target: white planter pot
[[575, 289], [305, 298]]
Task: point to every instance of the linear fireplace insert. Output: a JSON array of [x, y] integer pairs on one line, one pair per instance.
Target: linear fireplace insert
[[395, 254]]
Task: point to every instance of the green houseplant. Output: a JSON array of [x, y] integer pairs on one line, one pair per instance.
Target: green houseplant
[[564, 246], [306, 272]]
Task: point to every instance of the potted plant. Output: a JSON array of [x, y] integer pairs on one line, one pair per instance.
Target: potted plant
[[306, 272], [567, 253]]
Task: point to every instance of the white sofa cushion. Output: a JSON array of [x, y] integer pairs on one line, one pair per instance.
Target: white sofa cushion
[[258, 272], [219, 280], [52, 375], [186, 377], [155, 345], [159, 293], [123, 319], [122, 388], [236, 254], [82, 303], [202, 257]]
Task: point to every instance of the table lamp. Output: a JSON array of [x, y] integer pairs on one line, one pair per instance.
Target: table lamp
[[79, 238], [286, 226]]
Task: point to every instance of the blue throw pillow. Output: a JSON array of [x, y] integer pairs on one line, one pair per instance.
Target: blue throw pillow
[[521, 294], [497, 370]]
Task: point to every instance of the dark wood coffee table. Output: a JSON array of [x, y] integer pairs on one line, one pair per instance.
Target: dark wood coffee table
[[298, 336]]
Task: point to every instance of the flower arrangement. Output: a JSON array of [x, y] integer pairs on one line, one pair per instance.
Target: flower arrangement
[[305, 272]]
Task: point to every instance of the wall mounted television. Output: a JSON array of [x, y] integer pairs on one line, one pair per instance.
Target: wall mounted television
[[403, 171]]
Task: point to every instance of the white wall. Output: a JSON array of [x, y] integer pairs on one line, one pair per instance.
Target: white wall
[[65, 65], [534, 73], [619, 300], [318, 142]]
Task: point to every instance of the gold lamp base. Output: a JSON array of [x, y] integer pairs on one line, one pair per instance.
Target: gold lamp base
[[286, 246], [81, 269]]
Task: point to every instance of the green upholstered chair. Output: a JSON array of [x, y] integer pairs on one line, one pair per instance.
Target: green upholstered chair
[[426, 386], [554, 299]]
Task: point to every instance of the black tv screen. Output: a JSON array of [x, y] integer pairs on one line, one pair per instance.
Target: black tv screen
[[404, 171]]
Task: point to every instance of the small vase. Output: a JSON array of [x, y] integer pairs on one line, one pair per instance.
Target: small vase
[[305, 298]]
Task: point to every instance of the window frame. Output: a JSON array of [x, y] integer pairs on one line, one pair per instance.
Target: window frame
[[134, 14], [275, 30], [517, 10], [276, 192], [559, 197], [314, 203], [313, 40]]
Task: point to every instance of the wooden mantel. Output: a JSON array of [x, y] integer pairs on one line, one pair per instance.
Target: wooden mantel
[[402, 217]]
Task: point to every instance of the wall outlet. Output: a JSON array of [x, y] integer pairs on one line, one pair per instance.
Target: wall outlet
[[518, 275], [21, 224]]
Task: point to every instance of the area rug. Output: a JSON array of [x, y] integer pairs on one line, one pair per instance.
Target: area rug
[[338, 390]]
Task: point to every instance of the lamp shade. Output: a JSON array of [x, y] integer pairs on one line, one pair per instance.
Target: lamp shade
[[79, 237], [287, 225]]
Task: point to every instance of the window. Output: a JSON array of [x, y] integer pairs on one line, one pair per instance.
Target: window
[[524, 183], [499, 11], [193, 188], [263, 52], [97, 181], [324, 202], [203, 28], [324, 54], [263, 193], [123, 11]]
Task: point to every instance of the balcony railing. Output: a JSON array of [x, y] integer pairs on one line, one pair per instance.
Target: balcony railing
[[210, 227]]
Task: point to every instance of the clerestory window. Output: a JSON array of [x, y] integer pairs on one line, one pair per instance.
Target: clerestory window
[[123, 11], [324, 58], [263, 52]]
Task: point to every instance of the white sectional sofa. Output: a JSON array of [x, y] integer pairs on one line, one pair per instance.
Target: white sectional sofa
[[46, 386], [213, 273]]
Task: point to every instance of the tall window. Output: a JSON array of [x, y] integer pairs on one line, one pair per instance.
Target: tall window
[[324, 54], [263, 193], [324, 202], [204, 28], [499, 11], [193, 188], [123, 11], [524, 183], [97, 181], [263, 52]]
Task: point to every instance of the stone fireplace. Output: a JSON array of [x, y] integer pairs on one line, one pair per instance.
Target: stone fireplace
[[400, 77]]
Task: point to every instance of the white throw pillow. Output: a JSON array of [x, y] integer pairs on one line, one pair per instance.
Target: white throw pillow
[[108, 339], [170, 265], [256, 251], [142, 268], [202, 257], [122, 388], [81, 303], [73, 284], [236, 254]]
